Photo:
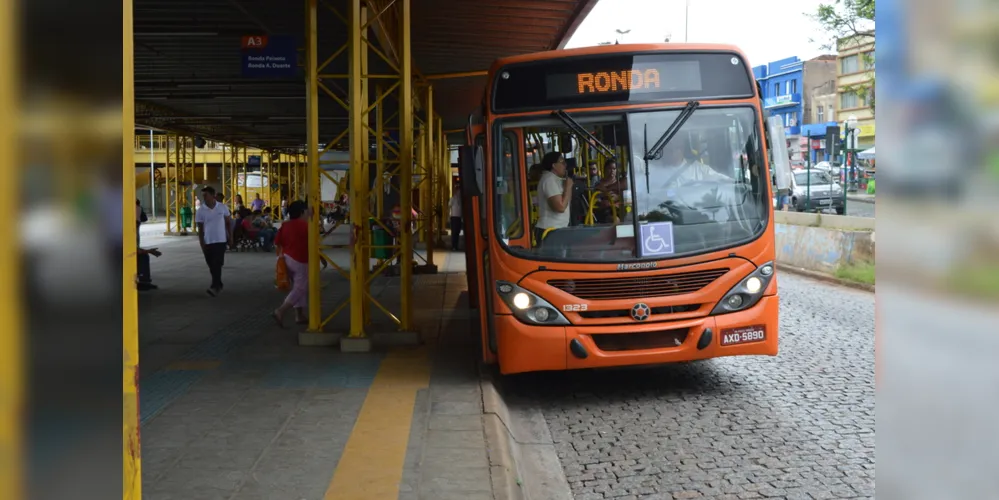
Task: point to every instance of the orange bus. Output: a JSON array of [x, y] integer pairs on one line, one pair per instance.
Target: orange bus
[[663, 248]]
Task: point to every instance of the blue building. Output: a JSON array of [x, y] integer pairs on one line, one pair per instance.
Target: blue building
[[782, 83]]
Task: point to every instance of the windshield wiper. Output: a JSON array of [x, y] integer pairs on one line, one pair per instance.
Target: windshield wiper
[[657, 149], [582, 132]]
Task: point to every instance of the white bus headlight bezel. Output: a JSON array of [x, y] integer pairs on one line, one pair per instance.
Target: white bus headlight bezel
[[525, 305], [748, 292]]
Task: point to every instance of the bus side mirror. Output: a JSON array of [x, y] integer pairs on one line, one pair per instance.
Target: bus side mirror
[[470, 170], [780, 164]]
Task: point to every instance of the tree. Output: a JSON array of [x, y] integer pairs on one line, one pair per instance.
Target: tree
[[844, 20]]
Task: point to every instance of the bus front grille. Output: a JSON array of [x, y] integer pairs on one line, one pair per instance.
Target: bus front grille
[[640, 341], [638, 287], [626, 313]]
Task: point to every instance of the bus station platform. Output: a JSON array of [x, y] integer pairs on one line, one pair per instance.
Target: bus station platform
[[231, 407]]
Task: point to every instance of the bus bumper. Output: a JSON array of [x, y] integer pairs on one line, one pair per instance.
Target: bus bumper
[[526, 348]]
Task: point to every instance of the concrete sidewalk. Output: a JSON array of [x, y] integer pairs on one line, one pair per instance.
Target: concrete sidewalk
[[233, 408]]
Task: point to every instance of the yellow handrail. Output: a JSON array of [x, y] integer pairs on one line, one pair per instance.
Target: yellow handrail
[[590, 220]]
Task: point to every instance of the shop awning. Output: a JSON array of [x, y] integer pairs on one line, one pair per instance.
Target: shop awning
[[866, 155]]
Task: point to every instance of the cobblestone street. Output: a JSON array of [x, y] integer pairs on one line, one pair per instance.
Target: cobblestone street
[[799, 425]]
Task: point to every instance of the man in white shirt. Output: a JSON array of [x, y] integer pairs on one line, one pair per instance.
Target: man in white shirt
[[455, 205], [668, 175], [554, 195], [215, 234]]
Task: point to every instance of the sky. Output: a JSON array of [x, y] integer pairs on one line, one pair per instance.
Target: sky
[[766, 30]]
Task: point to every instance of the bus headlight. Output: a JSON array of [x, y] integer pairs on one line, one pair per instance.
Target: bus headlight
[[528, 307], [521, 301], [747, 292]]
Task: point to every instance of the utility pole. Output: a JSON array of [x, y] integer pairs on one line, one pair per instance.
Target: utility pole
[[686, 20]]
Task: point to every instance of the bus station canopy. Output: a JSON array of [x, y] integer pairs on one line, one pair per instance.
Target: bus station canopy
[[190, 75]]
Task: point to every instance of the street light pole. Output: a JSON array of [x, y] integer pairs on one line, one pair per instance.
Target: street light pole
[[849, 143], [851, 148], [622, 33]]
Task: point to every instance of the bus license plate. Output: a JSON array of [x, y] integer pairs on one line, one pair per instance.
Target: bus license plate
[[744, 335]]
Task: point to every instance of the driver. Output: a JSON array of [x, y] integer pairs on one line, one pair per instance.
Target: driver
[[679, 166]]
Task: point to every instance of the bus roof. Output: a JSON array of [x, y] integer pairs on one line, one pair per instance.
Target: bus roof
[[613, 49]]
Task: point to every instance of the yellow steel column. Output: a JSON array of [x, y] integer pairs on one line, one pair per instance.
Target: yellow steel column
[[131, 451], [406, 164], [421, 161], [364, 176], [312, 179], [427, 180], [264, 189], [442, 176], [379, 155], [293, 179], [234, 174], [177, 168], [271, 178], [227, 171], [194, 192], [184, 183], [298, 175], [222, 188], [166, 181], [243, 167], [358, 203]]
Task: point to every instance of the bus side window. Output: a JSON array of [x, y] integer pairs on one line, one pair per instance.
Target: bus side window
[[507, 191], [480, 142]]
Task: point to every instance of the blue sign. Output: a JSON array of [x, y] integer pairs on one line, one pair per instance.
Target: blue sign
[[270, 57], [657, 239], [253, 161]]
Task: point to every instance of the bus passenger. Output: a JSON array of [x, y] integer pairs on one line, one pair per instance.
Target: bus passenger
[[594, 174], [610, 188], [554, 192]]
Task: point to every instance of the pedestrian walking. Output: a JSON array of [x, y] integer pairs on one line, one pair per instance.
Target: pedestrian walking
[[215, 235], [455, 205], [293, 243]]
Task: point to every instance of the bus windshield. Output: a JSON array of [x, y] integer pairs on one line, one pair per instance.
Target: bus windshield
[[706, 190]]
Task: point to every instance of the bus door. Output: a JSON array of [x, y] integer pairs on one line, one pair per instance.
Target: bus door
[[517, 233], [472, 172], [470, 216]]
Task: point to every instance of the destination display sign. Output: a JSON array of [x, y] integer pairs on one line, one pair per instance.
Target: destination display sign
[[667, 76], [621, 78], [269, 57]]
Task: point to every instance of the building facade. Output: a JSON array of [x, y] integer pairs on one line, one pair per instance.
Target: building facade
[[789, 89], [782, 83], [855, 70], [819, 94]]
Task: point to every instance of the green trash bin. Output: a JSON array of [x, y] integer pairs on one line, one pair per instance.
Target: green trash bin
[[185, 217], [380, 238]]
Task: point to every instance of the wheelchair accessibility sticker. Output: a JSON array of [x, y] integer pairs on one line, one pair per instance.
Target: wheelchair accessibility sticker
[[657, 238]]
